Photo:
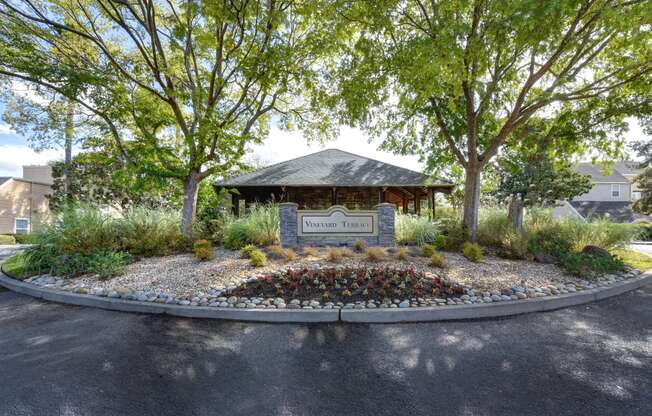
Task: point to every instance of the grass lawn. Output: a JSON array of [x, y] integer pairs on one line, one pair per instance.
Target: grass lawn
[[14, 266], [634, 259]]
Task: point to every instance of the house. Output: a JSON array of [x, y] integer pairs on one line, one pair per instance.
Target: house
[[335, 177], [613, 192], [23, 201]]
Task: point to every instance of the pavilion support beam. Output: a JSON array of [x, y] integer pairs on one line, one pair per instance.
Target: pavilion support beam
[[235, 204], [334, 196], [417, 201]]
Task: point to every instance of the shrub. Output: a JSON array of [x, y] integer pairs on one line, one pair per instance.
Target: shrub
[[428, 250], [7, 239], [472, 251], [587, 266], [414, 229], [290, 255], [601, 233], [360, 246], [402, 254], [80, 229], [493, 227], [259, 226], [456, 236], [257, 258], [25, 238], [346, 252], [550, 239], [149, 232], [333, 254], [310, 251], [108, 264], [246, 251], [280, 253], [376, 254], [438, 260], [439, 242], [516, 245], [203, 250], [16, 267]]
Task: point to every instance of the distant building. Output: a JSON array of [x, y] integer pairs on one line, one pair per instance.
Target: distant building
[[613, 192], [23, 201]]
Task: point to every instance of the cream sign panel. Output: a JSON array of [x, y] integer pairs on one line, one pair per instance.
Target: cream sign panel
[[338, 220]]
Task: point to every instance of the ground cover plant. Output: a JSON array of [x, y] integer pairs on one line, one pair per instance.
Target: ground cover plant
[[348, 284], [633, 259]]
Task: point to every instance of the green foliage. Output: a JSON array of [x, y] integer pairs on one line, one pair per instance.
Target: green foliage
[[493, 227], [246, 251], [634, 259], [440, 242], [375, 254], [472, 251], [7, 239], [588, 266], [438, 260], [456, 235], [25, 238], [428, 250], [16, 267], [108, 264], [148, 232], [414, 229], [360, 246], [203, 250], [643, 150], [260, 226], [257, 258]]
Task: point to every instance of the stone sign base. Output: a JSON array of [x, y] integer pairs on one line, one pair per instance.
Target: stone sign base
[[337, 226]]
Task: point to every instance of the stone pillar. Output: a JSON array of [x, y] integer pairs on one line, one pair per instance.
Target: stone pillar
[[386, 230], [288, 218]]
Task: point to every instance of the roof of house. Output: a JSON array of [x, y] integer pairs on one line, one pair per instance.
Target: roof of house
[[598, 173], [4, 179], [628, 167], [617, 211], [333, 167]]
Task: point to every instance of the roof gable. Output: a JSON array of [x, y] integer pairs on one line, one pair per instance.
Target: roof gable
[[332, 167], [598, 173]]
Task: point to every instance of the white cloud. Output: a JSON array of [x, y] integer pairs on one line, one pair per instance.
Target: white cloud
[[6, 129], [13, 157], [283, 145]]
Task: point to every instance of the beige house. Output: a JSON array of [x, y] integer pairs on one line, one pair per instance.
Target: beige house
[[23, 201]]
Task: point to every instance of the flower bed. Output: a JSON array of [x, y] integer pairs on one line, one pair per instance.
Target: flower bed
[[349, 284]]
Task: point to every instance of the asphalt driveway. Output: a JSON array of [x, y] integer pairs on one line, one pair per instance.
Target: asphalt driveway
[[63, 360]]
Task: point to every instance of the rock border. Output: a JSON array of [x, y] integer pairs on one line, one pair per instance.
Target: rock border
[[393, 315]]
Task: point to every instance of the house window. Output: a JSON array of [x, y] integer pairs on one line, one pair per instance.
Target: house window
[[615, 191], [21, 226]]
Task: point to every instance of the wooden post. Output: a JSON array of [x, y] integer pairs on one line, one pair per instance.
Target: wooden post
[[417, 201], [334, 196], [235, 204]]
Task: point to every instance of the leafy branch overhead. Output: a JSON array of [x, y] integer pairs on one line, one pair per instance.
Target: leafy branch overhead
[[191, 83]]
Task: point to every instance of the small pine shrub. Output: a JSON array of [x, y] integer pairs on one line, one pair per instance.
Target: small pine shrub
[[257, 258], [428, 250], [472, 251], [376, 254], [333, 254], [203, 250], [246, 251], [438, 260], [290, 255], [360, 246], [310, 251], [402, 254], [346, 252], [7, 239], [440, 242]]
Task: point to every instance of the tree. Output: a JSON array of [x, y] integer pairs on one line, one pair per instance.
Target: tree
[[455, 80], [537, 180], [644, 179], [186, 83]]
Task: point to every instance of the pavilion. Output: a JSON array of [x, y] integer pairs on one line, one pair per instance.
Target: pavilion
[[335, 177]]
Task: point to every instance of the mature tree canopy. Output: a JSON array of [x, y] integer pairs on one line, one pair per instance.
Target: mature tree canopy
[[188, 83], [456, 80]]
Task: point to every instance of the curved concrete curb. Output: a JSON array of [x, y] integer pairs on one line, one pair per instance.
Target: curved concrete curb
[[394, 315]]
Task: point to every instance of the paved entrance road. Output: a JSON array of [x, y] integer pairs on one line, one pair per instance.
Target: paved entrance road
[[63, 360]]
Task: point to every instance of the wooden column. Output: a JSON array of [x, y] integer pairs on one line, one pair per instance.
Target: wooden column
[[334, 196], [417, 201], [235, 204]]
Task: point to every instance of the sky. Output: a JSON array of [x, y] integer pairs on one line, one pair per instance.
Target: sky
[[279, 146]]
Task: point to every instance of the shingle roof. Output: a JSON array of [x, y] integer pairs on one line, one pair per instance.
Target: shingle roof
[[333, 167], [617, 211], [598, 174], [628, 167], [4, 179]]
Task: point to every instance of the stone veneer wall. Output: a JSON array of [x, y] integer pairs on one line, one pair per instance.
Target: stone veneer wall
[[290, 238]]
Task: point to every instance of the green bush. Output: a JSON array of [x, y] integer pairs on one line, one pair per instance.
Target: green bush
[[551, 239], [203, 250], [588, 266], [25, 238], [456, 235], [260, 226], [472, 251], [246, 251], [16, 267], [493, 227], [414, 229], [80, 229], [7, 239], [440, 242], [107, 264], [428, 250], [148, 232], [438, 260], [257, 258]]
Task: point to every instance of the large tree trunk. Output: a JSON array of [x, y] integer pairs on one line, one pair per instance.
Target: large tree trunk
[[472, 200], [69, 131], [515, 213], [190, 190]]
